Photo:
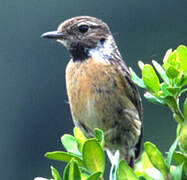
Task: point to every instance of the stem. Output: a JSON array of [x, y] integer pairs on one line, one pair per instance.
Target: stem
[[173, 104]]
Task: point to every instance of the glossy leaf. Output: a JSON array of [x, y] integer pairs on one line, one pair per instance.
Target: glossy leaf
[[93, 156], [63, 156], [144, 176], [171, 61], [99, 135], [172, 72], [150, 78], [183, 136], [179, 158], [179, 80], [55, 173], [72, 171], [94, 176], [145, 169], [156, 158], [167, 55], [154, 174], [124, 172], [83, 175], [153, 99], [172, 90], [177, 117], [171, 151], [136, 79], [170, 100], [80, 137], [177, 173], [161, 71], [70, 144], [182, 57], [164, 89], [144, 162], [140, 65]]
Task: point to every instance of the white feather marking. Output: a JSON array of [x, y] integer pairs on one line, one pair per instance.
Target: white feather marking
[[102, 50]]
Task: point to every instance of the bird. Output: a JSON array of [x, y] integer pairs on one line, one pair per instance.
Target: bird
[[100, 91]]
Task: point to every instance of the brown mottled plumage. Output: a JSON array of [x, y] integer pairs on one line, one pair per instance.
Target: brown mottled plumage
[[100, 91]]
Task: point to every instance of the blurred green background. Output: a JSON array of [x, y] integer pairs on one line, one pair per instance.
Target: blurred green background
[[33, 109]]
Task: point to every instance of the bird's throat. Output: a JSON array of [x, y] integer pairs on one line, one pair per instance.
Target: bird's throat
[[79, 52], [102, 51]]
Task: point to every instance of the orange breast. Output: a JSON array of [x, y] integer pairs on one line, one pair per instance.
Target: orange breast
[[97, 95]]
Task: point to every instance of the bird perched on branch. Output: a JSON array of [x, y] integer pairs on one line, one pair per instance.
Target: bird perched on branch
[[100, 91]]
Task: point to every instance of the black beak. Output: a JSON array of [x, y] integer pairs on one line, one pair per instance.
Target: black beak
[[53, 35]]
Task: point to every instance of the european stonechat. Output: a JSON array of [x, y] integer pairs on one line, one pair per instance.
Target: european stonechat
[[100, 91]]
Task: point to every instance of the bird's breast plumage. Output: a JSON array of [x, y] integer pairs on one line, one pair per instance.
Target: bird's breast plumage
[[98, 99]]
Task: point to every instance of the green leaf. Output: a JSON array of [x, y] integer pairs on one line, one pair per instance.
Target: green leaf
[[172, 72], [144, 176], [185, 109], [99, 135], [80, 137], [173, 90], [138, 81], [164, 88], [150, 78], [183, 136], [153, 99], [124, 172], [63, 156], [178, 82], [167, 55], [161, 71], [55, 173], [93, 156], [182, 57], [72, 171], [154, 174], [70, 144], [171, 151], [140, 65], [171, 102], [143, 163], [156, 158], [177, 173], [184, 81], [145, 168], [179, 159], [95, 176], [178, 118], [171, 60], [115, 162], [84, 170], [83, 175]]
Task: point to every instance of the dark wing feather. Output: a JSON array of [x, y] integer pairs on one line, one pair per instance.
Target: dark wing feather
[[134, 96]]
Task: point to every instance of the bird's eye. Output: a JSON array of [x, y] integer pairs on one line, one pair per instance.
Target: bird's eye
[[83, 28]]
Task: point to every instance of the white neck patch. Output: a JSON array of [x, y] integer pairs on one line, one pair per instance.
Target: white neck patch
[[102, 50]]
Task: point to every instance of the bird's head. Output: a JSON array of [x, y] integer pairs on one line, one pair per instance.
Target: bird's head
[[82, 34]]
